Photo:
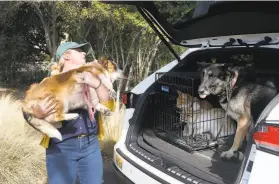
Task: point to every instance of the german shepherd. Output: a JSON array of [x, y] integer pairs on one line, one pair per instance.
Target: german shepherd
[[70, 95], [244, 100]]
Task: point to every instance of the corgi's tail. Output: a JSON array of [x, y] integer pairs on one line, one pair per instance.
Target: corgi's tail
[[45, 127]]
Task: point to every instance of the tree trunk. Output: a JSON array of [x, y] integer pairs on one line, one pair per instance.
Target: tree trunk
[[51, 33], [128, 83], [54, 35], [151, 59]]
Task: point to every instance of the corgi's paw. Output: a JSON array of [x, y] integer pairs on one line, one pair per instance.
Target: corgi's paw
[[71, 116], [107, 112], [103, 109], [54, 133], [187, 131], [112, 94]]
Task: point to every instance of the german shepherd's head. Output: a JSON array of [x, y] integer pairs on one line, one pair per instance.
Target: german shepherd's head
[[214, 78]]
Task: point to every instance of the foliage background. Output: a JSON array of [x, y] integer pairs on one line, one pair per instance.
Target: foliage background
[[30, 33]]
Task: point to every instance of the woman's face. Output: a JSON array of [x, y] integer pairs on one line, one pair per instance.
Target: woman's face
[[77, 57]]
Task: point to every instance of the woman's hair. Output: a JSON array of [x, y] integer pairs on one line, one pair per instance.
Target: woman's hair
[[57, 67]]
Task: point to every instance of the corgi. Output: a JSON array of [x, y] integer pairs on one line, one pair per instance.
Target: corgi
[[208, 122], [189, 104], [200, 117], [70, 95]]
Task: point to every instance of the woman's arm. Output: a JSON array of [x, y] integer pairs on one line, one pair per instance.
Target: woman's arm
[[45, 107], [94, 82], [42, 109], [101, 90]]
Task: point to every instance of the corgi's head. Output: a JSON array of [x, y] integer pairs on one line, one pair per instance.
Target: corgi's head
[[114, 71], [184, 101]]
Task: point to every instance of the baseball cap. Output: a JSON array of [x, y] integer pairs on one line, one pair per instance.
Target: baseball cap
[[70, 45]]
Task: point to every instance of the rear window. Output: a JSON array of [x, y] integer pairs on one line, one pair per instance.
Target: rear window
[[179, 12], [175, 11]]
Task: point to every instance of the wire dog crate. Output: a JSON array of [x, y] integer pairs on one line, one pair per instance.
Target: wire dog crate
[[182, 118]]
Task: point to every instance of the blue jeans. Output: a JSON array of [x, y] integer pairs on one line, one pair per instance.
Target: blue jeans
[[75, 157]]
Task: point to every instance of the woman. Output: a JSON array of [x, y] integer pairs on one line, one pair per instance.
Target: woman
[[79, 153]]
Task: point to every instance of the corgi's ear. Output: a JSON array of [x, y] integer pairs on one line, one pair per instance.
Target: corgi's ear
[[187, 95], [179, 92]]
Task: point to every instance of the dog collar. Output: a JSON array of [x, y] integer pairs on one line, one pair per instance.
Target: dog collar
[[234, 79]]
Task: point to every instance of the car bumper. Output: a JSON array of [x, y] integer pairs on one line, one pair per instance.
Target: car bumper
[[120, 177], [132, 167], [137, 171]]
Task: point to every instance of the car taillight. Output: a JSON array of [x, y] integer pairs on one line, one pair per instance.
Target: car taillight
[[124, 98], [267, 136]]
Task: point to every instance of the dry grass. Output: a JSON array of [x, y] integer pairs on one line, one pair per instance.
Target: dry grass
[[112, 129], [22, 159]]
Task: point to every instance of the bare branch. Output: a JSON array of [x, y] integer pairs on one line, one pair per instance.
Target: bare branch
[[129, 51], [54, 29], [121, 47], [88, 30], [105, 40], [45, 26], [151, 59]]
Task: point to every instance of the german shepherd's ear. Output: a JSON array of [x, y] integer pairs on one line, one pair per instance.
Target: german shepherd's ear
[[204, 64], [230, 69], [227, 66]]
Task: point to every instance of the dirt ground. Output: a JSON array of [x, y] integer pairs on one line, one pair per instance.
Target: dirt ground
[[109, 175]]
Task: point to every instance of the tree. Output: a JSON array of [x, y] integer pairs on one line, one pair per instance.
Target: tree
[[20, 37], [115, 31], [50, 19]]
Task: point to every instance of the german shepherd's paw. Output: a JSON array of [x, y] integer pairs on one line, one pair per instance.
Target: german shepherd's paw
[[112, 94], [231, 155]]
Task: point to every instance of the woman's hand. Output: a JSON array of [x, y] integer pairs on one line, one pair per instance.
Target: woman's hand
[[94, 82], [45, 107], [88, 78]]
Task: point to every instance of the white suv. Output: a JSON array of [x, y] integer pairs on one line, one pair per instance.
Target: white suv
[[152, 148]]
